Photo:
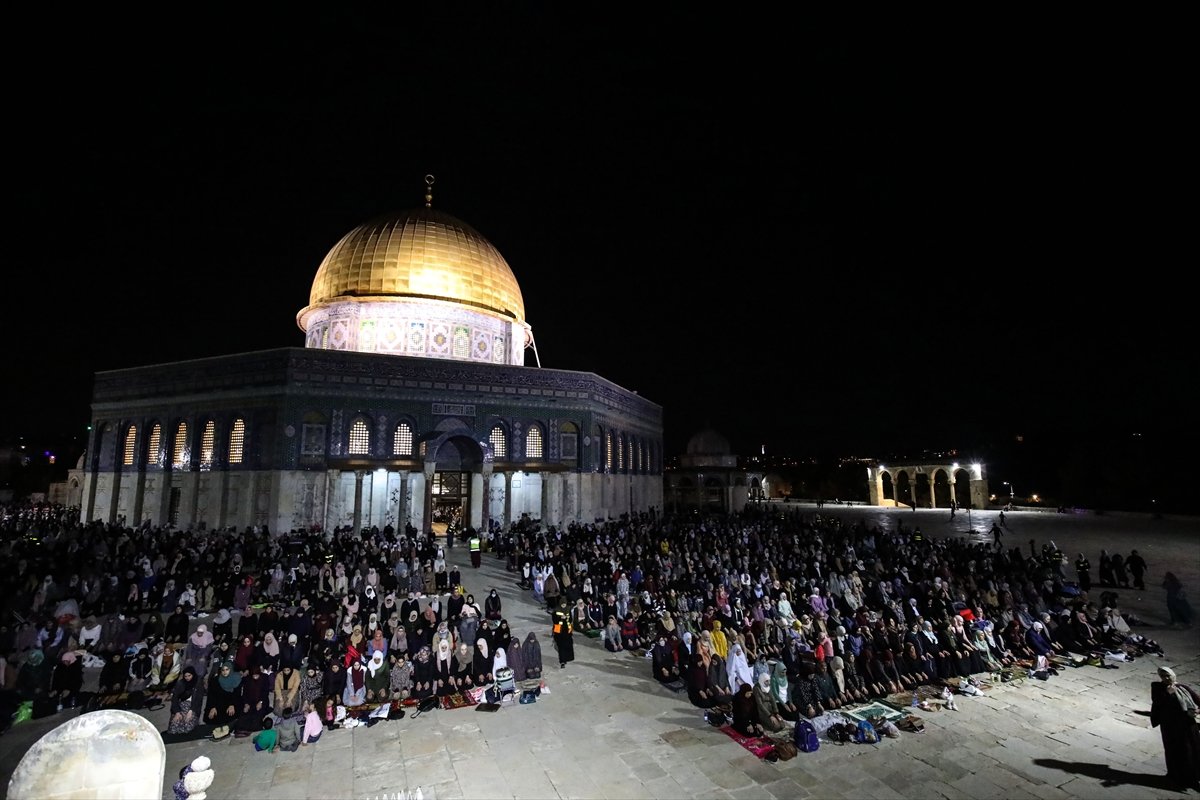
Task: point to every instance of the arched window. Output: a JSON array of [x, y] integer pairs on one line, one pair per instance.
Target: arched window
[[533, 443], [641, 458], [402, 440], [608, 452], [152, 453], [360, 438], [621, 453], [462, 343], [499, 442], [208, 445], [237, 441], [130, 446], [180, 458], [568, 441]]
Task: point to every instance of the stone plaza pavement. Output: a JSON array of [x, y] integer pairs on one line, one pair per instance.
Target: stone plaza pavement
[[608, 730]]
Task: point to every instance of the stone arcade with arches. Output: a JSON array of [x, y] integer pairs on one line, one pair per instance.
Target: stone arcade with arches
[[410, 403], [928, 484]]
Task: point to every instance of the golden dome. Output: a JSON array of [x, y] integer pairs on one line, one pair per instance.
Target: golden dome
[[421, 254]]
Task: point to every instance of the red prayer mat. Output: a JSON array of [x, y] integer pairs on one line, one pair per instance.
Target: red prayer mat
[[758, 745]]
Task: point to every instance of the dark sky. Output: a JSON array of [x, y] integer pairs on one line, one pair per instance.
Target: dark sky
[[813, 239]]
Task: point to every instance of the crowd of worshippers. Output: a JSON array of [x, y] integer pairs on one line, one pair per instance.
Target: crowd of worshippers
[[243, 632], [771, 617]]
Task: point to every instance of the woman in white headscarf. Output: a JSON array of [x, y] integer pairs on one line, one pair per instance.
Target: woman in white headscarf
[[1175, 711], [783, 608], [738, 668], [768, 709]]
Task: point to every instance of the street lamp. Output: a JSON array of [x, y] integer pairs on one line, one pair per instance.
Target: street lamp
[[1012, 493]]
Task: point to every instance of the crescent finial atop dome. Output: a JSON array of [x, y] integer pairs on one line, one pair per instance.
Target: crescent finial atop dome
[[429, 191]]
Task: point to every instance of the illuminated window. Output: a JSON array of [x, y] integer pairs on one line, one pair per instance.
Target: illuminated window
[[608, 452], [237, 441], [641, 458], [360, 438], [325, 338], [499, 443], [423, 444], [130, 446], [462, 343], [155, 444], [533, 443], [402, 440], [621, 453], [208, 444], [181, 453]]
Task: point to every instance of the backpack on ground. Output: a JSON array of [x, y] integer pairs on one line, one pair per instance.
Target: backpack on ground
[[806, 737], [866, 733]]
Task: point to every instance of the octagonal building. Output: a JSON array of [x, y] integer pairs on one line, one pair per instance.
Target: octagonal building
[[410, 404]]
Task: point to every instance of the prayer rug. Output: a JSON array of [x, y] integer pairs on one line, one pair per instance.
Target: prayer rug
[[456, 700], [676, 686], [759, 745], [902, 701], [859, 713], [195, 734]]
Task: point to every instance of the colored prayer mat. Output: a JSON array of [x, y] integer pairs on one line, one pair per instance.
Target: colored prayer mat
[[759, 745]]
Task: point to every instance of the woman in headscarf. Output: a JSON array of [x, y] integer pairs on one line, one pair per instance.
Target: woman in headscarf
[[781, 691], [611, 636], [244, 655], [224, 700], [377, 644], [141, 671], [199, 650], [186, 698], [424, 677], [153, 627], [266, 654], [223, 625], [355, 693], [287, 692], [745, 712], [1175, 711], [769, 714], [664, 661], [114, 677], [718, 675], [699, 687], [631, 637], [312, 685], [531, 651], [738, 668], [356, 647], [67, 679], [334, 679], [482, 663], [516, 659], [444, 669], [176, 629], [720, 643], [379, 678], [464, 660]]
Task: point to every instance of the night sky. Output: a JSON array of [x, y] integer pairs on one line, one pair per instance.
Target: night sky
[[816, 240]]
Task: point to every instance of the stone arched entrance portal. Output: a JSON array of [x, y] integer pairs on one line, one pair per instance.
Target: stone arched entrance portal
[[928, 484], [452, 461]]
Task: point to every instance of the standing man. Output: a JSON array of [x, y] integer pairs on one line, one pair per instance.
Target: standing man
[[564, 640], [1173, 710], [1137, 567], [475, 554], [1083, 572]]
